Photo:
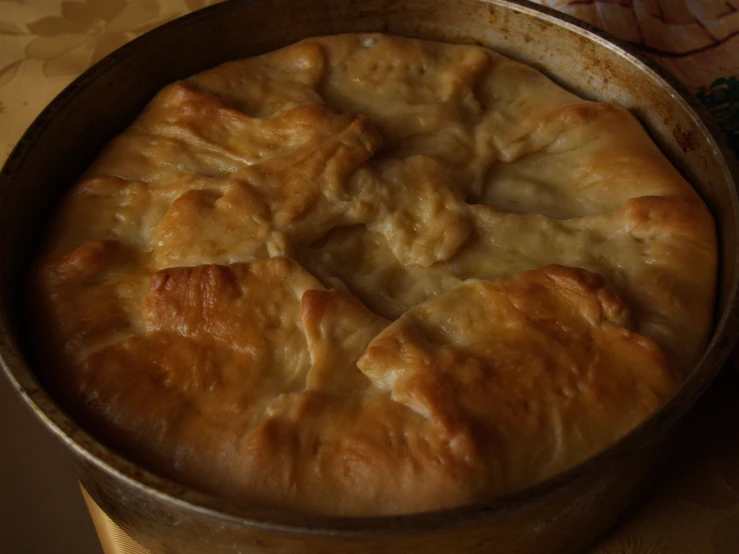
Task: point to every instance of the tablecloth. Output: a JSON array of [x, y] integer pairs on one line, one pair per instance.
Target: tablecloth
[[693, 507]]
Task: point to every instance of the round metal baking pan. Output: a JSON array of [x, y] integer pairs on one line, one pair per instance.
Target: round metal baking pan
[[563, 514]]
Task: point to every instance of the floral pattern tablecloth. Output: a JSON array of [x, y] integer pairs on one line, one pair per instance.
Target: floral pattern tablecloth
[[696, 40], [693, 507]]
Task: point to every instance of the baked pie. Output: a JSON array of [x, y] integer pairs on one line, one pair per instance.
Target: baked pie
[[368, 275]]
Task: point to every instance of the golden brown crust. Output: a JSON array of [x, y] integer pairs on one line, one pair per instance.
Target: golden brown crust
[[528, 373], [370, 275], [338, 328]]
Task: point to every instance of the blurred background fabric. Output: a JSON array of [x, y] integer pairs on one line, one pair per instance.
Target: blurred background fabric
[[693, 507], [696, 40]]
